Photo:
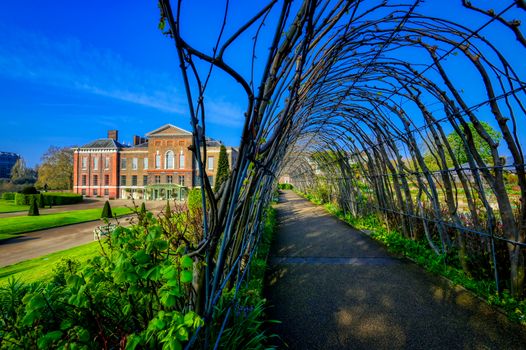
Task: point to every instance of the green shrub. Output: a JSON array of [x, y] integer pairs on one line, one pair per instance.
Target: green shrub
[[106, 211], [29, 190], [8, 196], [285, 186], [20, 199], [194, 199], [33, 207], [65, 198], [41, 200]]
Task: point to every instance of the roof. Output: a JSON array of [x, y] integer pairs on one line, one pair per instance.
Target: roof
[[169, 130], [105, 143]]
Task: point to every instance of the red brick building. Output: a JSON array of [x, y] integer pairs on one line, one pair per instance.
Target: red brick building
[[158, 166]]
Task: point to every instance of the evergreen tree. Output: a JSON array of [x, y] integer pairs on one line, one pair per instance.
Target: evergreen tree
[[223, 169], [33, 207], [106, 211]]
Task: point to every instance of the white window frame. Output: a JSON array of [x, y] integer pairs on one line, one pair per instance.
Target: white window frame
[[95, 163], [135, 163], [210, 163]]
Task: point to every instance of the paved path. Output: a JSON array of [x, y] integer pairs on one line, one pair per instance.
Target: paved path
[[335, 288], [35, 244]]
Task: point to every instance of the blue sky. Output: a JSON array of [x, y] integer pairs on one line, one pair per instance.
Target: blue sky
[[71, 70]]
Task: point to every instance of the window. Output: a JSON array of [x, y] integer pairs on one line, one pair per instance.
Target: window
[[123, 180], [134, 180], [106, 163], [181, 180], [157, 160], [145, 180], [106, 180], [83, 192], [123, 163], [135, 163], [169, 179], [145, 163], [95, 180], [84, 180], [95, 192], [181, 160], [95, 163], [157, 179], [106, 192], [169, 160], [84, 162], [210, 163], [211, 180]]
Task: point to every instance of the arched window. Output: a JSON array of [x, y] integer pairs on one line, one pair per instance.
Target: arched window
[[181, 160], [157, 160], [169, 160]]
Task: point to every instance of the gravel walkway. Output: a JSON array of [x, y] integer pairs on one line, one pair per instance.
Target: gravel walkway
[[335, 288]]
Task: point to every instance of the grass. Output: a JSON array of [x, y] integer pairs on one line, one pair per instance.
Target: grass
[[7, 206], [40, 269], [12, 226]]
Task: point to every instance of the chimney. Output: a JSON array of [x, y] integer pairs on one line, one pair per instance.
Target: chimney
[[113, 134], [136, 140]]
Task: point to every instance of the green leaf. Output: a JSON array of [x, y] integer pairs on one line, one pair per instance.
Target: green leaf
[[186, 276], [170, 272], [172, 344], [47, 340], [133, 341], [187, 262], [182, 334], [154, 273], [141, 257]]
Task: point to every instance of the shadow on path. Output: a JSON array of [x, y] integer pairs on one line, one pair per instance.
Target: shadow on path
[[335, 288]]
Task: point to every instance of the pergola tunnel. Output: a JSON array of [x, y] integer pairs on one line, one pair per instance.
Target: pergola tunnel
[[410, 114]]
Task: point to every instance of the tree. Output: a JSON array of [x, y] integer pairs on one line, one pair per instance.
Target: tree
[[21, 174], [223, 169], [56, 170], [459, 149]]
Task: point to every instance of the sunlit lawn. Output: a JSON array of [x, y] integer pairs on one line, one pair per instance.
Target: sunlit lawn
[[10, 206], [13, 226], [42, 268]]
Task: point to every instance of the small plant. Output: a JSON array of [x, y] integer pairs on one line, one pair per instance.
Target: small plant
[[106, 211], [33, 207]]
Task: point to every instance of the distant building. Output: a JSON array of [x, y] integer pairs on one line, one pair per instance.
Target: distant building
[[7, 160], [159, 166]]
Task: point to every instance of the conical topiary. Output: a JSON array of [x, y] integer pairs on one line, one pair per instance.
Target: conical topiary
[[106, 211], [33, 207], [223, 169]]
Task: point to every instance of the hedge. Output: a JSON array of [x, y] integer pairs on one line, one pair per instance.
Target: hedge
[[8, 196], [59, 198]]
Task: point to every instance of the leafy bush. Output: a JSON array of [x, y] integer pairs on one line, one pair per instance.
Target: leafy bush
[[29, 190], [8, 196], [40, 200], [137, 294], [194, 199], [21, 199], [285, 186], [59, 198]]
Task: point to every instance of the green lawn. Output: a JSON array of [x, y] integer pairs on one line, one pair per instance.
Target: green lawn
[[12, 226], [10, 206], [42, 268]]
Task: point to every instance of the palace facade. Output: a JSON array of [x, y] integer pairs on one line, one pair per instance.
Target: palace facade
[[158, 166]]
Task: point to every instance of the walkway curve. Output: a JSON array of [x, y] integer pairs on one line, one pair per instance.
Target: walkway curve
[[335, 288]]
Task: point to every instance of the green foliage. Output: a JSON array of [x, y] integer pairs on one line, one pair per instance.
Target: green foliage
[[223, 169], [8, 196], [247, 326], [195, 200], [29, 190], [33, 207], [41, 200], [106, 211], [56, 169], [285, 186], [134, 295], [62, 198], [20, 199]]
